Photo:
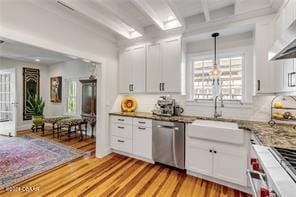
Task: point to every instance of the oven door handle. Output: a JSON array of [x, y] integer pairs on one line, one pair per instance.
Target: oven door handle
[[252, 183], [261, 177]]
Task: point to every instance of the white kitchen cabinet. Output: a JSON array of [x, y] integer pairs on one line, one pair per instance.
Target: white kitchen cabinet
[[132, 136], [219, 160], [154, 68], [132, 70], [172, 65], [142, 138], [124, 71], [164, 66], [199, 158], [229, 165], [288, 14], [142, 142], [264, 68], [288, 67], [278, 75]]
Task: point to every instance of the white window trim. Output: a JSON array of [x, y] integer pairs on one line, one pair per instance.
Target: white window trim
[[246, 52], [78, 97]]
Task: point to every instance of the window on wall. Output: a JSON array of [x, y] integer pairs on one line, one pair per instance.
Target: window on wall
[[230, 82], [71, 97]]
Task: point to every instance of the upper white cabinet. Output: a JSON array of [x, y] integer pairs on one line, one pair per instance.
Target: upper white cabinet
[[264, 68], [162, 73], [154, 68], [164, 66], [285, 17], [132, 70]]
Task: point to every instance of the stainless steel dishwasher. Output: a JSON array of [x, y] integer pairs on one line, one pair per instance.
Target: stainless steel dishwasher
[[168, 139]]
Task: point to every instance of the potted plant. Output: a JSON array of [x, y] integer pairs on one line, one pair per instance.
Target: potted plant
[[36, 105]]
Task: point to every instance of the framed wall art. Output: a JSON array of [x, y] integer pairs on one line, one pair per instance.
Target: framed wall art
[[56, 89], [31, 86]]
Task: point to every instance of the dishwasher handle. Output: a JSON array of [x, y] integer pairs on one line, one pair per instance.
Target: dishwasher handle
[[168, 127]]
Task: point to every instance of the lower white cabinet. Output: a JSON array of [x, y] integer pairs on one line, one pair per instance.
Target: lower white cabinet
[[225, 162], [132, 136], [121, 144], [199, 159], [142, 142]]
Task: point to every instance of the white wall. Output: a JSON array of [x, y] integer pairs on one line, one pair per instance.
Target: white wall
[[74, 70], [25, 22], [44, 82]]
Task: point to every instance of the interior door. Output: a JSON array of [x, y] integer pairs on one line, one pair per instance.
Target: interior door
[[8, 104]]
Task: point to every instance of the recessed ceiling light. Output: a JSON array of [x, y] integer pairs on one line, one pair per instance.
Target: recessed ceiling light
[[37, 60]]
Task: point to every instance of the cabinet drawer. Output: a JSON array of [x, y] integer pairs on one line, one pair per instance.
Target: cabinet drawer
[[121, 120], [121, 144], [122, 130], [141, 122]]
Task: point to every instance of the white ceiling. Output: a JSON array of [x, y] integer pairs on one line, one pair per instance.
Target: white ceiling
[[123, 17], [23, 52]]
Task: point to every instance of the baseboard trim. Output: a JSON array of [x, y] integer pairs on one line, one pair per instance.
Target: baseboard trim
[[221, 182], [103, 154], [133, 156]]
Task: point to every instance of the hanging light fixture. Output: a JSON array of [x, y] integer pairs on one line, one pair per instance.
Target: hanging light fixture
[[215, 72]]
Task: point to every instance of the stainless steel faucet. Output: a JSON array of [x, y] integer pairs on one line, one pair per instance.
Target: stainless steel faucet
[[216, 113]]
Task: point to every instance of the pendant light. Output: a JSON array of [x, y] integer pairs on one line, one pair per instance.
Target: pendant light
[[215, 72]]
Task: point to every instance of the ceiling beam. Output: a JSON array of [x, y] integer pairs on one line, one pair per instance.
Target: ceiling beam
[[100, 15], [206, 11], [116, 11], [176, 12], [143, 5]]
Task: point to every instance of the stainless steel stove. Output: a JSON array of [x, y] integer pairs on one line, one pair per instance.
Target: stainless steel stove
[[287, 159]]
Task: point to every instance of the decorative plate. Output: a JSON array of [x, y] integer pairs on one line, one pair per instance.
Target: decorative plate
[[128, 104]]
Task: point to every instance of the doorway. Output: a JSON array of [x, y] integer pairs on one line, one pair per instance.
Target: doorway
[[8, 104]]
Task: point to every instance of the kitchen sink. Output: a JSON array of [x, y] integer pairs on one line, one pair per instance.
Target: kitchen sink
[[216, 131]]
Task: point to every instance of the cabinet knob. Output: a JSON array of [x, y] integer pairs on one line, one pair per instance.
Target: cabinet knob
[[211, 150], [215, 152]]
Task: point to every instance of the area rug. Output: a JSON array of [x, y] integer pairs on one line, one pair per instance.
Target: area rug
[[24, 157]]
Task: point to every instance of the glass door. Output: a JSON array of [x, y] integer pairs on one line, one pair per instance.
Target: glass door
[[8, 104]]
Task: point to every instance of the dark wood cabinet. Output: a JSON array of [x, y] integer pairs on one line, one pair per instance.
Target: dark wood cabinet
[[89, 101]]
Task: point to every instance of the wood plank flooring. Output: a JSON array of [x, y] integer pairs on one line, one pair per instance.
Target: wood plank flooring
[[116, 175]]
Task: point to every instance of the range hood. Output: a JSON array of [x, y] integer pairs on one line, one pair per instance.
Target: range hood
[[285, 47]]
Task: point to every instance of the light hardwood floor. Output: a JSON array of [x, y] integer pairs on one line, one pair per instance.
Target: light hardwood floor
[[116, 175]]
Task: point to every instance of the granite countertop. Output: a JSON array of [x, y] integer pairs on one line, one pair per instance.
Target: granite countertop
[[280, 135], [147, 115]]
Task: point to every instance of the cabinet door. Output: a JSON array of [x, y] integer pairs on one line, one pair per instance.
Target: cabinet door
[[264, 69], [230, 164], [288, 67], [278, 75], [288, 14], [199, 157], [125, 68], [171, 65], [154, 68], [139, 70], [142, 142]]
